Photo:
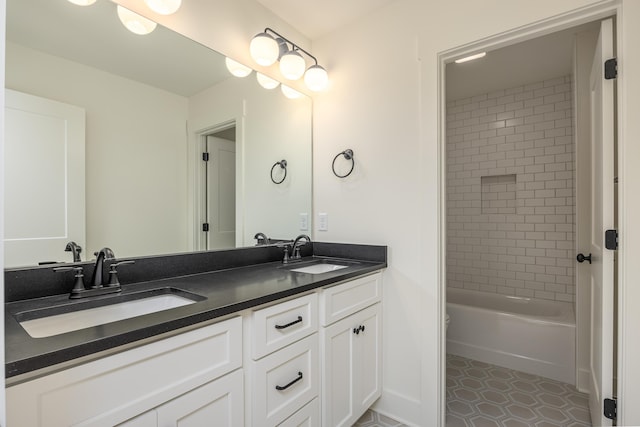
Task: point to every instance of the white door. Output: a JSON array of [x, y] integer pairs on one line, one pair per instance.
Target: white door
[[221, 193], [44, 179], [602, 218]]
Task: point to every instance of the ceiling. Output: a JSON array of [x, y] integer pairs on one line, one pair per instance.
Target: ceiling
[[315, 19], [531, 61]]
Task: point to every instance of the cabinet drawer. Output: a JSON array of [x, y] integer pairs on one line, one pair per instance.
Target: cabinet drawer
[[342, 300], [308, 416], [282, 324], [284, 381], [116, 388]]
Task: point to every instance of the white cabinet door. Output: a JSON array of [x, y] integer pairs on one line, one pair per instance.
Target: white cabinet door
[[368, 359], [351, 366], [216, 404]]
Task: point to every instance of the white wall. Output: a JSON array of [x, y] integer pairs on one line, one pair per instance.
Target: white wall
[[384, 102], [510, 191], [270, 128], [135, 152], [2, 77]]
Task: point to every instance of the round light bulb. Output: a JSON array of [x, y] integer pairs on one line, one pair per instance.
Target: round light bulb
[[236, 68], [292, 65], [135, 23], [264, 49], [82, 2], [164, 7], [290, 93], [267, 82], [316, 78]]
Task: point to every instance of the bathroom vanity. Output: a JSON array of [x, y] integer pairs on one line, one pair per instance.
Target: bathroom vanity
[[266, 344]]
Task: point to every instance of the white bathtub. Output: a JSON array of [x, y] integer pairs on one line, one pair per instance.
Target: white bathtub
[[529, 335]]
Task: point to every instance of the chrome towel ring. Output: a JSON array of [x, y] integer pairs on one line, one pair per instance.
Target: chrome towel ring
[[283, 165], [348, 154]]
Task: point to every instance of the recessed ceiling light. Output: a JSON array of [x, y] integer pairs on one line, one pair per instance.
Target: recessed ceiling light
[[470, 58]]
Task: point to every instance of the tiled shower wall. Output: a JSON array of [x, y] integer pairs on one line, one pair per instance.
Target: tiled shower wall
[[510, 191]]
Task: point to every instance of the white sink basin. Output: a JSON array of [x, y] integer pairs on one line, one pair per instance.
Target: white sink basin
[[319, 268], [60, 323]]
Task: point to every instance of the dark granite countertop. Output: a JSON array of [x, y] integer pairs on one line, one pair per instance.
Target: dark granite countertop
[[225, 291]]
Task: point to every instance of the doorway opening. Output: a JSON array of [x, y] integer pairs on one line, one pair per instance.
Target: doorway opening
[[516, 192], [218, 186]]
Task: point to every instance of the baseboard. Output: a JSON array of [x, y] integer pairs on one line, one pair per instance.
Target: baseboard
[[399, 407], [582, 382]]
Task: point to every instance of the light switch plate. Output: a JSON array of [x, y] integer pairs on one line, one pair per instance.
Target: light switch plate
[[323, 221]]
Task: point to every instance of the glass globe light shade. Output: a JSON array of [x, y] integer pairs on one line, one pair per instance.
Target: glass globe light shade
[[292, 65], [82, 2], [264, 49], [164, 7], [290, 93], [267, 82], [316, 78], [135, 23], [236, 68]]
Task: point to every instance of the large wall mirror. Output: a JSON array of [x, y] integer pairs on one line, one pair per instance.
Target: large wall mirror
[[106, 132]]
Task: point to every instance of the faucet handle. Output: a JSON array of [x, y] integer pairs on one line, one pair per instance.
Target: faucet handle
[[113, 272], [78, 286]]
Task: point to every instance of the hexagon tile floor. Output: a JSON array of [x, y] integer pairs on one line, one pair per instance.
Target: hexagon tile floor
[[484, 395]]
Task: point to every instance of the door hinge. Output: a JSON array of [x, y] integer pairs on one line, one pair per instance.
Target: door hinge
[[205, 226], [205, 157], [611, 68], [610, 408], [611, 239]]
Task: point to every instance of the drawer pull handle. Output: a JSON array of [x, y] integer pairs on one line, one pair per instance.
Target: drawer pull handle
[[280, 388], [289, 324]]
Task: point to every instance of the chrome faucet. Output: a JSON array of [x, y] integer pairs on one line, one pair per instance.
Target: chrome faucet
[[75, 249], [101, 255]]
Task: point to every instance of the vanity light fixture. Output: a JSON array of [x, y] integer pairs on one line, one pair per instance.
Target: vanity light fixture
[[236, 68], [82, 2], [289, 92], [266, 82], [470, 58], [163, 7], [135, 23], [268, 47]]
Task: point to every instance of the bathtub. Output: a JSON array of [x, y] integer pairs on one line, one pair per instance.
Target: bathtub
[[529, 335]]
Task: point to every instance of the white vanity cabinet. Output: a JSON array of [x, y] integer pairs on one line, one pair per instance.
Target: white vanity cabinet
[[351, 349], [166, 381], [284, 368], [218, 403]]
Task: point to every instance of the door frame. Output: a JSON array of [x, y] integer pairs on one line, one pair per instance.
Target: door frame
[[197, 140], [557, 23]]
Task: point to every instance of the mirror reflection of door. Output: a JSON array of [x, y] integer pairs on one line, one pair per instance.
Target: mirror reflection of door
[[221, 189], [44, 174]]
